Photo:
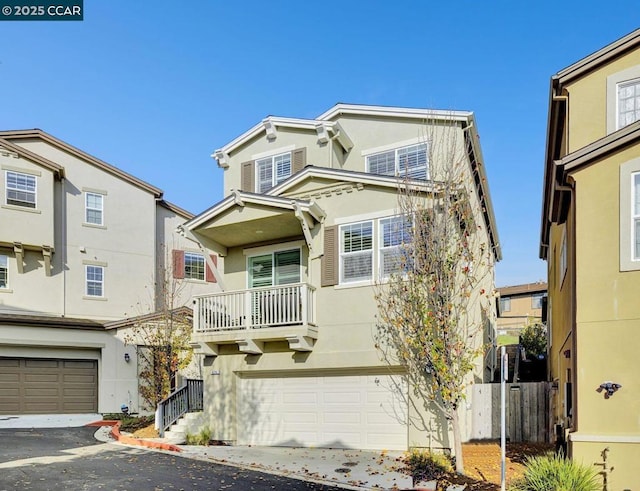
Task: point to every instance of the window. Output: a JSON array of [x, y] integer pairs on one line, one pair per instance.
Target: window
[[93, 208], [394, 232], [408, 161], [4, 272], [635, 212], [278, 268], [193, 266], [21, 189], [536, 300], [271, 171], [356, 252], [505, 304], [563, 255], [95, 281], [628, 102]]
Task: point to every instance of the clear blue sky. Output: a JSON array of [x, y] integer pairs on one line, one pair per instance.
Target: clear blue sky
[[153, 87]]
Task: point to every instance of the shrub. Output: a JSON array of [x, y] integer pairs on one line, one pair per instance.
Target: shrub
[[130, 423], [554, 472], [201, 438], [534, 339], [423, 465]]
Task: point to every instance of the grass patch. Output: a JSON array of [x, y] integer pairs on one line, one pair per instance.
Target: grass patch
[[507, 339], [553, 471], [130, 423], [201, 438]]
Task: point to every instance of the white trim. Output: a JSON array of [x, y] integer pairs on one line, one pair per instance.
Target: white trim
[[393, 146], [272, 253], [613, 81], [22, 170], [627, 259], [282, 246], [579, 437], [272, 153], [35, 189], [87, 208], [389, 111], [101, 282]]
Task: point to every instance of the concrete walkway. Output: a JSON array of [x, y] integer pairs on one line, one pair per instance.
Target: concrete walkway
[[48, 420]]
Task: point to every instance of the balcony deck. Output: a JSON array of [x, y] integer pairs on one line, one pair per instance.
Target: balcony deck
[[253, 316]]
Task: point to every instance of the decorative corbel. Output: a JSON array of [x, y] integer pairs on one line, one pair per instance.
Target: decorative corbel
[[46, 255], [19, 252]]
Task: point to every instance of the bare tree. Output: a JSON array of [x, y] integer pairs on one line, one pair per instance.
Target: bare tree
[[161, 339], [432, 311]]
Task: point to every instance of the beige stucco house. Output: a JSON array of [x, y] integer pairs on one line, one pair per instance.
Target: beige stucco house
[[304, 234], [519, 305], [590, 239], [82, 244]]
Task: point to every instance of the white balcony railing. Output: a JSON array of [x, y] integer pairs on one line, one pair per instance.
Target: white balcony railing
[[274, 306]]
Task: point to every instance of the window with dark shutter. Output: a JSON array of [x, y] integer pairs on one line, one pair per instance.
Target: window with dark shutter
[[329, 262]]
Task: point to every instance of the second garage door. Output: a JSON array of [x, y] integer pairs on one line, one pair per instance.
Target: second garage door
[[351, 411], [48, 386]]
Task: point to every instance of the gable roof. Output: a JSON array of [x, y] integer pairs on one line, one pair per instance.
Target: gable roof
[[58, 170], [527, 288], [180, 313], [13, 135], [176, 209]]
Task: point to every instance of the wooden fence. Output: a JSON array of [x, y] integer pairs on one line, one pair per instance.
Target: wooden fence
[[527, 415]]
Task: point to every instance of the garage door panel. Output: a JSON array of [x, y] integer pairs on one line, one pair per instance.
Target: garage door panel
[[40, 386], [333, 411]]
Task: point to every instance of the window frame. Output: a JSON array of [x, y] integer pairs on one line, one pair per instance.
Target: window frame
[[17, 203], [362, 252], [4, 272], [562, 260], [405, 239], [273, 164], [536, 300], [505, 304], [398, 172], [94, 281], [635, 83], [273, 279], [87, 208], [192, 271]]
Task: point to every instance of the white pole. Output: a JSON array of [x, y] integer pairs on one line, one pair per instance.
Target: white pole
[[504, 375]]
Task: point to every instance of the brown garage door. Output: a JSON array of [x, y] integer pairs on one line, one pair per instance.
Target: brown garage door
[[48, 386]]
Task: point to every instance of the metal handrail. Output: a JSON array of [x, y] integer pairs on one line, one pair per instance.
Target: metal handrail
[[188, 398]]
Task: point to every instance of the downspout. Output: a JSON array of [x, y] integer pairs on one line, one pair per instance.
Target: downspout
[[63, 238], [336, 135]]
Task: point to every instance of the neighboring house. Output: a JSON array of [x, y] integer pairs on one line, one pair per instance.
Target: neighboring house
[[80, 244], [590, 238], [304, 233], [518, 305]]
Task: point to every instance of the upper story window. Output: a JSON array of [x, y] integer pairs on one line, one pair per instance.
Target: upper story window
[[394, 232], [563, 255], [273, 269], [271, 171], [505, 304], [410, 161], [94, 207], [4, 271], [194, 266], [356, 252], [628, 102], [536, 300], [94, 281], [21, 189]]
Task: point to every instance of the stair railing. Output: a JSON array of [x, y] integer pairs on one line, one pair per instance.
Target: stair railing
[[188, 398]]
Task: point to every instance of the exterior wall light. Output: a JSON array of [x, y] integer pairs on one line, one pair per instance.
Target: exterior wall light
[[127, 358], [609, 388]]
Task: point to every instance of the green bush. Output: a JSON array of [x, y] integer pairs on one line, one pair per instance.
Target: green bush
[[423, 465], [553, 472], [130, 423], [201, 438], [534, 339]]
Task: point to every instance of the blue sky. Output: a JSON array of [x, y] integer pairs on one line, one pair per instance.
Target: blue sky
[[153, 87]]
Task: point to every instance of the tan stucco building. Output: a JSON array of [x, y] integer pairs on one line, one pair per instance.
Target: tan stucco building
[[519, 305], [591, 240], [82, 244], [303, 233]]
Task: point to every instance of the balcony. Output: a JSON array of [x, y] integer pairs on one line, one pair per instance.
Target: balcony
[[252, 317]]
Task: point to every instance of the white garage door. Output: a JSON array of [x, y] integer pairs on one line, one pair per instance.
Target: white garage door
[[363, 411]]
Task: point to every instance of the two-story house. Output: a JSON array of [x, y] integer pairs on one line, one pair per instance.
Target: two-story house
[[519, 305], [82, 243], [590, 238], [304, 234]]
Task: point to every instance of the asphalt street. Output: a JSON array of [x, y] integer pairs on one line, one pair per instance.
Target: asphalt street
[[72, 459]]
